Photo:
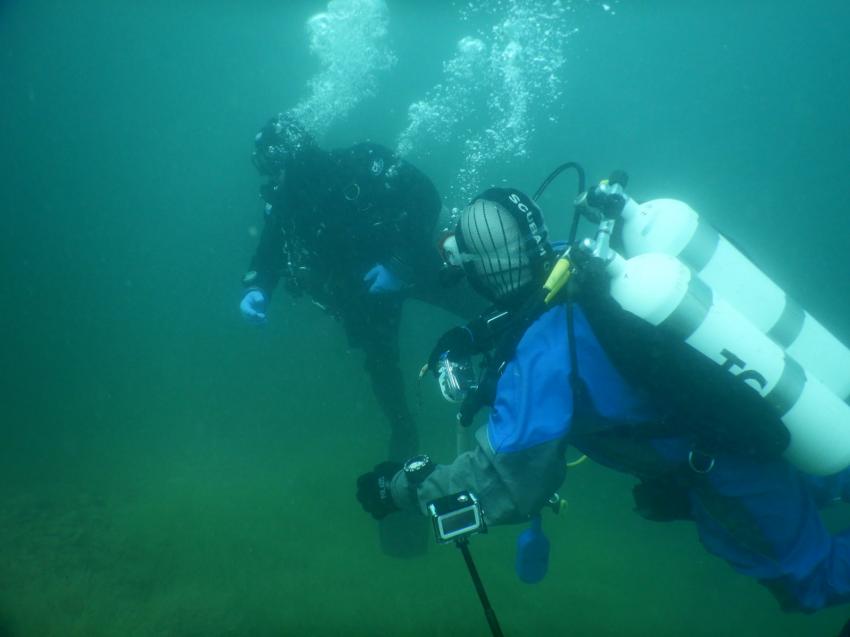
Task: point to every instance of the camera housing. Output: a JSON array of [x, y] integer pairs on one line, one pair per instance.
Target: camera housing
[[455, 516], [456, 378]]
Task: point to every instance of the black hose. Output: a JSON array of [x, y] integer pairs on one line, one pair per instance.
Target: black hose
[[576, 382], [581, 186], [570, 164]]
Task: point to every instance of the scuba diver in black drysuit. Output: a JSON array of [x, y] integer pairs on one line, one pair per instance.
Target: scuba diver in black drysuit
[[353, 229]]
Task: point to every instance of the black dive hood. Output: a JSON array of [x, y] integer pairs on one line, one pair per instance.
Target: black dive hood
[[535, 244]]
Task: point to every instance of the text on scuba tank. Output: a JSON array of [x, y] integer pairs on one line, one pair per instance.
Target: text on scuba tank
[[732, 361]]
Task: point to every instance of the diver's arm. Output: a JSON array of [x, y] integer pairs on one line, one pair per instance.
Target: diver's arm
[[510, 486], [268, 260], [517, 462], [413, 251]]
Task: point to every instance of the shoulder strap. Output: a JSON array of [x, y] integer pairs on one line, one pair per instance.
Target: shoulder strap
[[581, 398]]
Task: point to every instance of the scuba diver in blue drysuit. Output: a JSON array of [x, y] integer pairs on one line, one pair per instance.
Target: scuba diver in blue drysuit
[[580, 371]]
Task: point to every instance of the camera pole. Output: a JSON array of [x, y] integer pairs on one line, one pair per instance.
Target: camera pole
[[463, 544]]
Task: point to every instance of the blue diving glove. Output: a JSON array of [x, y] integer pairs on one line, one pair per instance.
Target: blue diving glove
[[382, 280], [253, 306]]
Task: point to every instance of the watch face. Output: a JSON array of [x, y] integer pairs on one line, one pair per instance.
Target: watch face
[[416, 464], [417, 469]]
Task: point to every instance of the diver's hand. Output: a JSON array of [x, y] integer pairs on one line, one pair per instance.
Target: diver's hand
[[253, 306], [381, 280], [373, 490], [457, 343]]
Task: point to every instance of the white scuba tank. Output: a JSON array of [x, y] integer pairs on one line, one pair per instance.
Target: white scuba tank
[[672, 227], [663, 291]]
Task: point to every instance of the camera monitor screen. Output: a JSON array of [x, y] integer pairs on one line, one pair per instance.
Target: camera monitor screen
[[458, 522]]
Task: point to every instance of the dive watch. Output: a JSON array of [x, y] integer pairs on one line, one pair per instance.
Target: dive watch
[[417, 468]]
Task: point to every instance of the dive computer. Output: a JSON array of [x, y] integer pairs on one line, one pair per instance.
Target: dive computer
[[417, 468]]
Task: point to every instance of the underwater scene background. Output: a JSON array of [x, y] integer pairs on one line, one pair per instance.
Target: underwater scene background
[[166, 469]]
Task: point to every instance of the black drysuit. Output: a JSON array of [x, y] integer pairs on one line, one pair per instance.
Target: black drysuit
[[333, 217]]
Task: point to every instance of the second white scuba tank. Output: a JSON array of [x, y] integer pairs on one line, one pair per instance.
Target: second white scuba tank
[[663, 291], [672, 227]]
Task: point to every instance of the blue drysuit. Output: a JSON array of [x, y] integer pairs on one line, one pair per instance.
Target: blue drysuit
[[760, 516]]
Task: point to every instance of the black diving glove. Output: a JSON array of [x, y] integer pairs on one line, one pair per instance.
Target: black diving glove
[[373, 490], [476, 337], [458, 341]]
